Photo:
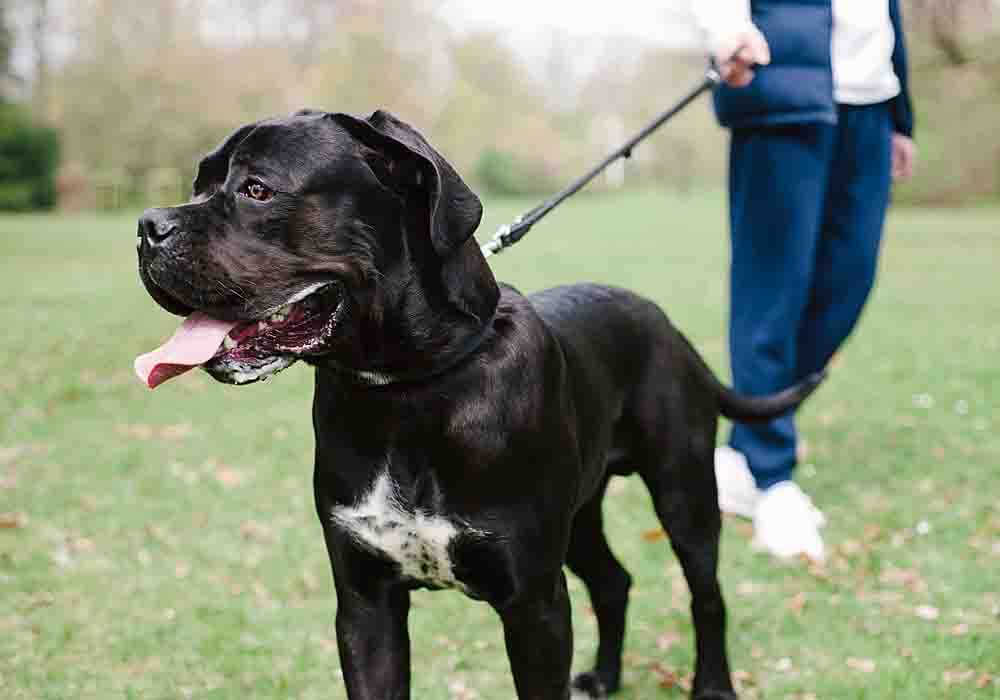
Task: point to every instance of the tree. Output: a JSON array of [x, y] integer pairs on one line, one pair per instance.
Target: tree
[[6, 50], [29, 156]]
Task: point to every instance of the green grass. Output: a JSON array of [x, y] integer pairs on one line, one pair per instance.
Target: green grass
[[164, 545]]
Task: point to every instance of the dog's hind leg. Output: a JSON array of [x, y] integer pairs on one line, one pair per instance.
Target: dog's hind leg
[[681, 481], [608, 583]]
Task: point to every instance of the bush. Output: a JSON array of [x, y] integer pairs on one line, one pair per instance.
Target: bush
[[29, 157], [504, 174]]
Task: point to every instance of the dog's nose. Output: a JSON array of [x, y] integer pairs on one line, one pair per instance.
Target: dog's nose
[[156, 226]]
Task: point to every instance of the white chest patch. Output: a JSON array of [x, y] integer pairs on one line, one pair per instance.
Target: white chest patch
[[415, 540]]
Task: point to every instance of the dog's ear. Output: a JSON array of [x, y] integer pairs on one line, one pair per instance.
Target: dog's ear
[[214, 167], [455, 210], [405, 159]]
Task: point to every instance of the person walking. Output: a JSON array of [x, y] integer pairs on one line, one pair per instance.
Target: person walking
[[819, 109]]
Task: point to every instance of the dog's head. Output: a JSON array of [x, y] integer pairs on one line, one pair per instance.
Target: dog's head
[[317, 236]]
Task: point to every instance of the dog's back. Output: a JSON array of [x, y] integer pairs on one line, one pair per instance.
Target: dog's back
[[629, 332]]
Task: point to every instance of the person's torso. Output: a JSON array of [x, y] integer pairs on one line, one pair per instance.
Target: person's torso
[[822, 52], [862, 45]]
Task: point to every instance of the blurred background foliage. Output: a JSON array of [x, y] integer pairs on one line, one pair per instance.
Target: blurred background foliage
[[109, 103]]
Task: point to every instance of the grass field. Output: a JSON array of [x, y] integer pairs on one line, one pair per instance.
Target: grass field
[[164, 545]]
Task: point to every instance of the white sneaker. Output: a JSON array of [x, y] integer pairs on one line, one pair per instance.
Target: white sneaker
[[738, 492], [786, 523]]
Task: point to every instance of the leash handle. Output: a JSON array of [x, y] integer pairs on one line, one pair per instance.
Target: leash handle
[[509, 234]]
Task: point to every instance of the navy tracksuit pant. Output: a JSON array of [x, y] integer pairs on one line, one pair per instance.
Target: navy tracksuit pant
[[807, 205]]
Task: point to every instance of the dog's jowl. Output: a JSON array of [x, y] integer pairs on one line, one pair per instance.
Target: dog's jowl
[[465, 433]]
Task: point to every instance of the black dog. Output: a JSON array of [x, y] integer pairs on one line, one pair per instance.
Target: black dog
[[465, 434]]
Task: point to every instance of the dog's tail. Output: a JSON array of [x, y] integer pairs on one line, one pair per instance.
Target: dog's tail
[[753, 409]]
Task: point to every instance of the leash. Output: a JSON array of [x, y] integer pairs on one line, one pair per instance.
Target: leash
[[509, 234]]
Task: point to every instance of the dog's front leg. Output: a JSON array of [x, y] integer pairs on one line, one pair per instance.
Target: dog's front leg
[[374, 643], [539, 636]]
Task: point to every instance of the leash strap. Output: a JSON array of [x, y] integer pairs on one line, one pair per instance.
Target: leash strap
[[511, 233]]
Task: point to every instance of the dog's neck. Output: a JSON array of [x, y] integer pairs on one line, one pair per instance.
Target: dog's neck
[[414, 374], [418, 327]]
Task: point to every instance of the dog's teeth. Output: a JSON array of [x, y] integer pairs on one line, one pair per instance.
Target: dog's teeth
[[279, 316], [228, 343]]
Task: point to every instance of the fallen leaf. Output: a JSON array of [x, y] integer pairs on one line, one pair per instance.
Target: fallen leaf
[[667, 678], [138, 431], [9, 480], [667, 640], [309, 582], [802, 451], [783, 665], [818, 569], [957, 675], [959, 630], [262, 595], [927, 612], [176, 432], [459, 691], [9, 454], [13, 521], [797, 603], [229, 477], [654, 535], [908, 578], [748, 588], [142, 431], [160, 534], [743, 528], [862, 665], [253, 530], [850, 547], [82, 545], [872, 532]]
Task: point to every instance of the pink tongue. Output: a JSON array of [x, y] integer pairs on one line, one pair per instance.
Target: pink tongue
[[194, 343]]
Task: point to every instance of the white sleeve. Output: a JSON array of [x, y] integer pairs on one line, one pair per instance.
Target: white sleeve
[[718, 21]]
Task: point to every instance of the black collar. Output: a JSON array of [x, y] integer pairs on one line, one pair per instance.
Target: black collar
[[368, 377]]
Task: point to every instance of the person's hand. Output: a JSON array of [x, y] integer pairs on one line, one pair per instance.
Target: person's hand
[[737, 55], [904, 157]]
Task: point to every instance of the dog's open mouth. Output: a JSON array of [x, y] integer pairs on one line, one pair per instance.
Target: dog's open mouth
[[240, 352]]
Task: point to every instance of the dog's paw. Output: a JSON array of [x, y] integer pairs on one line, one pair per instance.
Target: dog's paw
[[715, 695], [588, 686]]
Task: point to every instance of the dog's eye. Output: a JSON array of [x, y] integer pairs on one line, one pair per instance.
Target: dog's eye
[[256, 190]]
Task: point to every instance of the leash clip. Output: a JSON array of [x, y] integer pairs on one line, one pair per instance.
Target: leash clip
[[714, 73], [501, 239]]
